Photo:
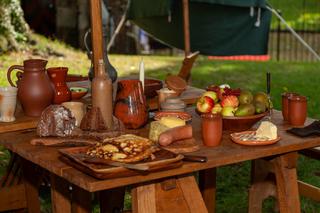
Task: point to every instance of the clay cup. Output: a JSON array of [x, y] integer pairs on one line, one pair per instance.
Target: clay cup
[[8, 100]]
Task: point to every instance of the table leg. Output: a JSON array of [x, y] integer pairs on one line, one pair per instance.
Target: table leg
[[287, 183], [60, 195], [277, 178], [81, 200], [31, 179], [262, 185], [207, 184], [111, 200], [179, 194]]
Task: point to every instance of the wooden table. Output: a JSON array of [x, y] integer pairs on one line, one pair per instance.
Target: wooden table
[[158, 191]]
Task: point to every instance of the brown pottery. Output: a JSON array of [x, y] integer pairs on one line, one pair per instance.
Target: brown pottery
[[285, 104], [58, 76], [211, 129], [130, 104], [35, 91], [297, 110]]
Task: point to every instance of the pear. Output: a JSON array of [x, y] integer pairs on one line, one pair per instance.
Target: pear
[[260, 107], [262, 98], [245, 110], [245, 97]]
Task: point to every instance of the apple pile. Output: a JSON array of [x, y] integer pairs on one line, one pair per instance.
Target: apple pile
[[232, 102]]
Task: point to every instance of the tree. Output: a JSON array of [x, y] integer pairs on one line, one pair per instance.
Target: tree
[[14, 31]]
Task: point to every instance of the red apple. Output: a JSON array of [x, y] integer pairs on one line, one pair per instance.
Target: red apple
[[216, 109], [230, 100], [212, 95], [205, 104]]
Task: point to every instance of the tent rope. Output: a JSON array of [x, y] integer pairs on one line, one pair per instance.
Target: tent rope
[[294, 33]]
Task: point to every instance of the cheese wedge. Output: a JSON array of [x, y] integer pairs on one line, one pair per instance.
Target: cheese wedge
[[156, 128], [268, 130], [172, 122]]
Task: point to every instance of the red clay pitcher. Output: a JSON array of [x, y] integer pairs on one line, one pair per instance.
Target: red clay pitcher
[[130, 104], [35, 92], [58, 76]]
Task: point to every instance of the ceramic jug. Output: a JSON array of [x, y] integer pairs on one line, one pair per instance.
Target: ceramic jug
[[58, 76], [130, 104], [35, 92]]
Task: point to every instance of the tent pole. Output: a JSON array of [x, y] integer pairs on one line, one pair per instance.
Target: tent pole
[[96, 33], [186, 27]]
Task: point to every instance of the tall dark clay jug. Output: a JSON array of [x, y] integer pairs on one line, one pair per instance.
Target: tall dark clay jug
[[35, 92], [130, 104]]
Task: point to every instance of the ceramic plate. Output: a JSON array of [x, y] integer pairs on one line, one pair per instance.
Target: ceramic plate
[[248, 138], [182, 115]]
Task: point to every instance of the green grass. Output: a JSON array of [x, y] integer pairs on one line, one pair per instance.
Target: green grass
[[232, 181], [296, 13]]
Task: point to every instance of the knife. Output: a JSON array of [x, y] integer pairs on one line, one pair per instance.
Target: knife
[[195, 158]]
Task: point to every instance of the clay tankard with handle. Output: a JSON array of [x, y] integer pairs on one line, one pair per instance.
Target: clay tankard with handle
[[35, 91]]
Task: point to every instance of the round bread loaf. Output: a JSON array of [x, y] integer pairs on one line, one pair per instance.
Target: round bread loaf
[[56, 120]]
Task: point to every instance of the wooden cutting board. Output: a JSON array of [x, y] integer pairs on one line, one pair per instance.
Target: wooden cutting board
[[76, 156], [183, 146]]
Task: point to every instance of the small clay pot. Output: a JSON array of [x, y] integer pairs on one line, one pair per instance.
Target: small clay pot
[[176, 83], [285, 104], [211, 129], [297, 110], [173, 104]]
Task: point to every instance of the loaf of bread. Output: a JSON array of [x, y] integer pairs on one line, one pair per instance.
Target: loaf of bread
[[56, 120]]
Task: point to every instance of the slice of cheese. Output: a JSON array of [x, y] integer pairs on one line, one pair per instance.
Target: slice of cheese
[[267, 129], [172, 122]]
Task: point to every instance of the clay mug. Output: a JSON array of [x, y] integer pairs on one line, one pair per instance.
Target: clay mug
[[130, 104], [8, 100], [78, 110], [297, 110], [211, 125], [58, 76], [35, 91], [285, 104]]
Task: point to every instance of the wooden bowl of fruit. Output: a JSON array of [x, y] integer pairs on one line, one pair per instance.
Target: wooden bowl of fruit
[[240, 109]]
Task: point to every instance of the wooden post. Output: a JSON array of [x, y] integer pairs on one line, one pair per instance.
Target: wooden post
[[186, 27], [96, 33]]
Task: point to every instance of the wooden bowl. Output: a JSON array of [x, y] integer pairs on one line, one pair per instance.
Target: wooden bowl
[[78, 92], [233, 123], [151, 86], [241, 123]]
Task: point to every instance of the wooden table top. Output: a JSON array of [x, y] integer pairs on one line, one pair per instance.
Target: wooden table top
[[227, 153]]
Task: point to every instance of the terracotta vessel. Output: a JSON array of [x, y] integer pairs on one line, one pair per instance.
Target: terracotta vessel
[[58, 76], [297, 110], [130, 104], [211, 129], [285, 104], [101, 89], [35, 91]]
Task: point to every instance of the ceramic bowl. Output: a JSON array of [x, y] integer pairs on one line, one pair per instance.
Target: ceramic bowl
[[151, 86], [78, 92], [241, 123], [182, 115]]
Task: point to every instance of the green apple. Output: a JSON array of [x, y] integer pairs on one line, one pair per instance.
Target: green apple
[[216, 109], [228, 111]]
